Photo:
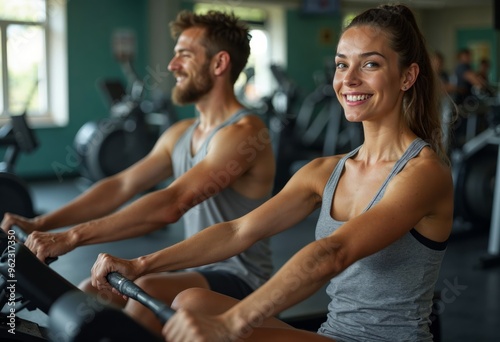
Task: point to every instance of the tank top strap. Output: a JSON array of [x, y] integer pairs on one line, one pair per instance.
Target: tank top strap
[[411, 152], [231, 120]]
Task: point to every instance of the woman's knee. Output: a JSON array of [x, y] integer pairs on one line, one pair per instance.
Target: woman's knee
[[204, 301], [190, 298], [146, 282]]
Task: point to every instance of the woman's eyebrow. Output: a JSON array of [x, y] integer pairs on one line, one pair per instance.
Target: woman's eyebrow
[[364, 54]]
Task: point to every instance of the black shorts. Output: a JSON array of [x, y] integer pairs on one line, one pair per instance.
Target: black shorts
[[226, 283]]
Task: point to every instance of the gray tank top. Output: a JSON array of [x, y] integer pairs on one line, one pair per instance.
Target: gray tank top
[[386, 296], [254, 266]]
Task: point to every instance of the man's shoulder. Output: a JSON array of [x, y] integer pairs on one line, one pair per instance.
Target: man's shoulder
[[249, 121], [170, 137], [247, 126], [180, 127]]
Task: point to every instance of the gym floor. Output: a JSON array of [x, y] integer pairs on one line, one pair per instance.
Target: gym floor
[[469, 308]]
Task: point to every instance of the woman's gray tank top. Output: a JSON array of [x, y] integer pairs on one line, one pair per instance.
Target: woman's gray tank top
[[386, 296]]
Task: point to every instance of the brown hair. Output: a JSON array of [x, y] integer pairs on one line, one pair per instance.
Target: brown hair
[[223, 32]]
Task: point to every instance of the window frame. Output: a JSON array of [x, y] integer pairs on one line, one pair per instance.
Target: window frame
[[56, 70]]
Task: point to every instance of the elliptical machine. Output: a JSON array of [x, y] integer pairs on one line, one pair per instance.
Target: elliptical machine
[[110, 145], [17, 136]]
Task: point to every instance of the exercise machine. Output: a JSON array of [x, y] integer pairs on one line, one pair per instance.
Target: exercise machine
[[15, 196], [73, 314], [110, 145], [19, 275], [477, 190], [318, 129], [17, 137], [473, 155], [102, 322]]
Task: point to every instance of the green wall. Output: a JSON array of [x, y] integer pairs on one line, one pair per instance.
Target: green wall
[[483, 42], [311, 42]]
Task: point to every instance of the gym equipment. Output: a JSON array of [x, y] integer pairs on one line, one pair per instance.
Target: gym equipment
[[474, 168], [19, 276], [339, 136], [477, 191], [79, 317], [107, 323], [277, 111], [474, 164], [110, 145], [73, 314], [17, 137], [318, 129]]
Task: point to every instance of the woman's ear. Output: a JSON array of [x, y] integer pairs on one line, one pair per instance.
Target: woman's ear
[[410, 76]]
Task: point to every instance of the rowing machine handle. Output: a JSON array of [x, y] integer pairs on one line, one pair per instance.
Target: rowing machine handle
[[22, 236], [131, 290]]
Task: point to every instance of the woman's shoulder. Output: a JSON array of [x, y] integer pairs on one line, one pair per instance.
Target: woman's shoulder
[[317, 172], [326, 163], [429, 169], [429, 160]]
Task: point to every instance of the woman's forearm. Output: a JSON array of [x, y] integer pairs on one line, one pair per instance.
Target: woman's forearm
[[213, 244], [304, 274]]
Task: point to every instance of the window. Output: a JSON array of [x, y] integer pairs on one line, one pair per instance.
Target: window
[[33, 60]]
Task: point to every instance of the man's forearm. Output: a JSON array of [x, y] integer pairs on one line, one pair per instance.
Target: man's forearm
[[92, 204], [143, 216]]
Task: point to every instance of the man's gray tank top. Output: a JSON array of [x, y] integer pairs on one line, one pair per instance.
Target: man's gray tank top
[[386, 296], [254, 266]]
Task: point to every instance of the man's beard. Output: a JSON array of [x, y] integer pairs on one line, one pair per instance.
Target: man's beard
[[195, 88]]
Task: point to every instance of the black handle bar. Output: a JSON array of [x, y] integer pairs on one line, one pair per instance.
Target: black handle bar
[[131, 290]]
